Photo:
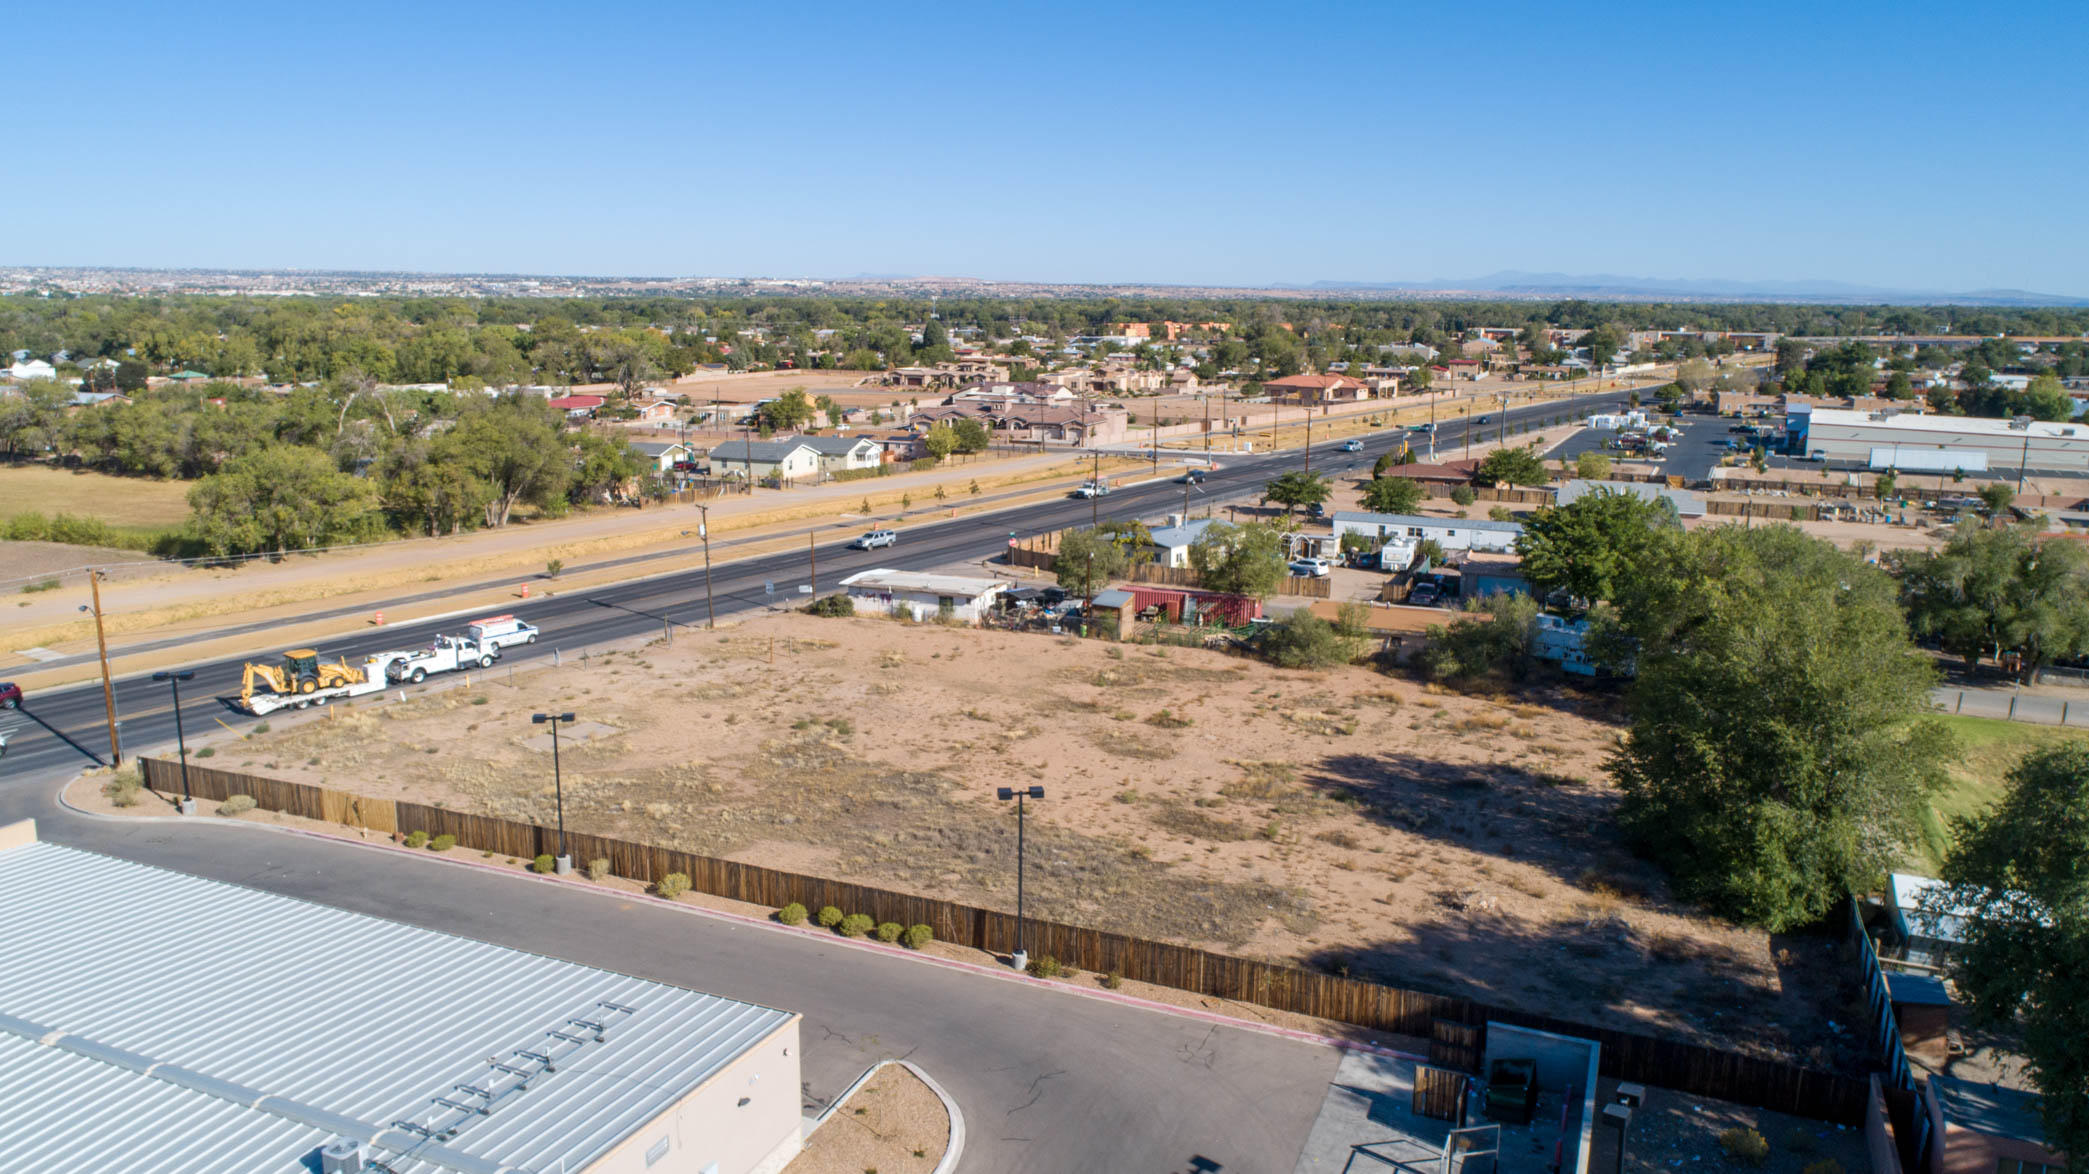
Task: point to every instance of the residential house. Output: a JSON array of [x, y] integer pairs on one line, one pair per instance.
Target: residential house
[[1316, 389], [26, 369], [1182, 381], [837, 453], [1685, 503], [1171, 543], [577, 407], [94, 399], [922, 596], [790, 459], [1475, 348], [1412, 529], [1986, 1129], [661, 456], [1463, 368], [655, 411]]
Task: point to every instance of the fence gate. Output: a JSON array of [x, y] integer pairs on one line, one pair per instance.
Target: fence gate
[[1439, 1093], [1457, 1046]]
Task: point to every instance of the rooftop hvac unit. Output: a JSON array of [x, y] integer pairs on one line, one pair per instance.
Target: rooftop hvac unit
[[343, 1155]]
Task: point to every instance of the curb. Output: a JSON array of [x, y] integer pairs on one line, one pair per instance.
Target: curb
[[953, 1151], [998, 973]]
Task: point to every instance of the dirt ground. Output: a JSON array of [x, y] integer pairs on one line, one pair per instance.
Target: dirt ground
[[1672, 1130], [894, 1124], [1348, 820]]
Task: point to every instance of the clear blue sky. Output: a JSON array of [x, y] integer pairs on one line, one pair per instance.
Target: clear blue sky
[[1905, 144]]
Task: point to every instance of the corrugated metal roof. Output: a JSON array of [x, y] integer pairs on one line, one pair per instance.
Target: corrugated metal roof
[[331, 1011], [1363, 518], [888, 579]]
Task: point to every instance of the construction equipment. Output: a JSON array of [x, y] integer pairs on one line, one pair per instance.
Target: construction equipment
[[301, 672]]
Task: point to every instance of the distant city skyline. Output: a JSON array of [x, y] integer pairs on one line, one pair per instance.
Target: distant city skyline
[[1225, 144]]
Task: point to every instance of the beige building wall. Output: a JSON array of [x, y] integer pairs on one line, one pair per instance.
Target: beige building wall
[[710, 1130]]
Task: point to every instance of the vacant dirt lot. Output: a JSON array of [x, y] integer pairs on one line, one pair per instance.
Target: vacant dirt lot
[[1345, 819]]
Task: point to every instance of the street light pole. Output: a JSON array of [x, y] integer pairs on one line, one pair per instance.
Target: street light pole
[[563, 862], [174, 680], [1021, 958]]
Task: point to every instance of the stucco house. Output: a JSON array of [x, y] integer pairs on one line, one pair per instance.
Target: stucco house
[[885, 591]]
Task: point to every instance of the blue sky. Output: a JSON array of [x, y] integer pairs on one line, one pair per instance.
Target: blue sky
[[1913, 145]]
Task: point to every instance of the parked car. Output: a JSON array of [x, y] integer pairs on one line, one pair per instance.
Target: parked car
[[1484, 420], [874, 540], [1312, 568], [10, 695], [1316, 510], [1352, 446], [1423, 595]]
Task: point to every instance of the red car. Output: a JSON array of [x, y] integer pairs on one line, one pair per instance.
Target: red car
[[10, 694]]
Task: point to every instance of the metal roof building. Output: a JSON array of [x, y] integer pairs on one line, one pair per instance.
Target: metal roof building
[[152, 1021]]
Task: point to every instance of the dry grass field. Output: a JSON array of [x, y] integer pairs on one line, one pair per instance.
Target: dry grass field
[[1345, 819], [119, 501]]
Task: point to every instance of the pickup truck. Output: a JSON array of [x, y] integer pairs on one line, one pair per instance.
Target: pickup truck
[[1091, 489], [448, 653]]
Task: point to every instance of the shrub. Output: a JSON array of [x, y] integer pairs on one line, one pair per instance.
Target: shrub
[[791, 914], [236, 804], [1045, 966], [545, 863], [917, 936], [598, 868], [1113, 980], [673, 885], [552, 567], [1745, 1145], [856, 925], [206, 752], [1303, 640], [832, 605], [829, 917], [417, 839], [1464, 495], [260, 728], [889, 931], [122, 789], [442, 843]]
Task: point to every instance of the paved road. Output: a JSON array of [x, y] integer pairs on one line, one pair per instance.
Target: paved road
[[1048, 1082], [65, 729]]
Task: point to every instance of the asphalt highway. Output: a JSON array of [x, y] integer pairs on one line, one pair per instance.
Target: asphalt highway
[[62, 731]]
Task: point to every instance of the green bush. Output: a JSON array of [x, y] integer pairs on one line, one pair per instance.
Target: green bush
[[1114, 979], [832, 605], [417, 839], [598, 868], [1745, 1145], [1464, 495], [828, 917], [791, 914], [206, 752], [544, 863], [917, 936], [673, 885], [1045, 966], [442, 843], [236, 804], [889, 931], [856, 925]]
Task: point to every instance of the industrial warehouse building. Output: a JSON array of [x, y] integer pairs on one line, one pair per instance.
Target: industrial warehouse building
[[1914, 443], [156, 1022]]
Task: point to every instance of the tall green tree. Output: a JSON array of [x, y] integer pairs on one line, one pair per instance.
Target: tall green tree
[[515, 445], [787, 412], [1089, 558], [2019, 876], [1992, 590], [1780, 754], [1513, 466], [1593, 546], [1239, 560], [940, 441], [1293, 490], [971, 435], [1392, 495], [281, 499]]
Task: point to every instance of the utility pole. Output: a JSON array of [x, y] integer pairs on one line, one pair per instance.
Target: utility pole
[[101, 640], [703, 531], [1207, 430]]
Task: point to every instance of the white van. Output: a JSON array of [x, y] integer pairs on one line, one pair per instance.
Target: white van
[[497, 632]]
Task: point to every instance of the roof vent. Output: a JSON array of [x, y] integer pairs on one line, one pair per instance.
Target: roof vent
[[343, 1155]]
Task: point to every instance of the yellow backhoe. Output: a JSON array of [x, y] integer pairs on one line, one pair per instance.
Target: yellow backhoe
[[301, 672]]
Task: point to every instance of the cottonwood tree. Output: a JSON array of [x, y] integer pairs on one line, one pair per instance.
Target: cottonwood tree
[[1392, 495], [1992, 590], [515, 446], [1089, 558], [1779, 754], [2018, 877], [1592, 545], [281, 499], [1239, 560], [1514, 466], [1292, 490]]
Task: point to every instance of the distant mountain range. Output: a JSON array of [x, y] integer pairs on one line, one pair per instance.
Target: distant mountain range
[[1612, 287]]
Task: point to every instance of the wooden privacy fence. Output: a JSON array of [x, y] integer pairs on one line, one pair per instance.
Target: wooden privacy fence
[[1673, 1064]]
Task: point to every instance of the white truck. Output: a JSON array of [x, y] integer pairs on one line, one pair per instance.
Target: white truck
[[497, 632], [447, 654]]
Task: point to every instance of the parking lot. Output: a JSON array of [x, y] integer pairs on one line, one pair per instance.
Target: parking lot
[[1692, 455]]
